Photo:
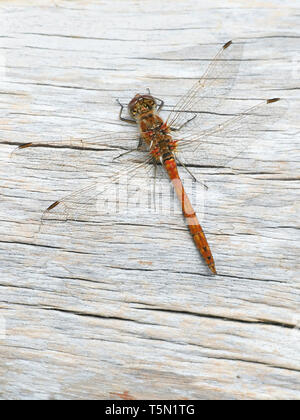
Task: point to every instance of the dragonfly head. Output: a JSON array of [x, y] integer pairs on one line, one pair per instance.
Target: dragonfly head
[[141, 104]]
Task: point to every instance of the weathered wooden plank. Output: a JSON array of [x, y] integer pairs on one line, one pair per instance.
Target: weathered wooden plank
[[123, 303]]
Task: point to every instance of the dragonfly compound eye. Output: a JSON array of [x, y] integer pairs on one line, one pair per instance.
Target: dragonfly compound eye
[[141, 104]]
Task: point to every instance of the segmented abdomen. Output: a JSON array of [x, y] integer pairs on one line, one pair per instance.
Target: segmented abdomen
[[189, 214]]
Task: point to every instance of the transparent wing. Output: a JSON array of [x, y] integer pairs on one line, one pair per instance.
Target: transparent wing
[[66, 154], [108, 194], [223, 142], [210, 90], [124, 192]]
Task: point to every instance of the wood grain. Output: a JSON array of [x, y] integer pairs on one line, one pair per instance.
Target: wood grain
[[123, 306]]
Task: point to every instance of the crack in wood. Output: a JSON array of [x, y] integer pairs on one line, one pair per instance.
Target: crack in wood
[[226, 319]]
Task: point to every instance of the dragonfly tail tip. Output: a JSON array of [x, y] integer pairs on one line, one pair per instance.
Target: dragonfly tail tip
[[213, 269]]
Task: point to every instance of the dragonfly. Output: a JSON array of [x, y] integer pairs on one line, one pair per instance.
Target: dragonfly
[[163, 142]]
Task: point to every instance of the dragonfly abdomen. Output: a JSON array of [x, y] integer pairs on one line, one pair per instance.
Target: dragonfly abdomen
[[188, 211]]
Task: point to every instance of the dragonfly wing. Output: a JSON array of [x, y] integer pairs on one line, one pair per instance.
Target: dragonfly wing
[[128, 190], [67, 154], [223, 142], [210, 90], [103, 196]]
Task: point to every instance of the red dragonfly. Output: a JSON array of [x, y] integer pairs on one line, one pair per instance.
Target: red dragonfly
[[163, 145]]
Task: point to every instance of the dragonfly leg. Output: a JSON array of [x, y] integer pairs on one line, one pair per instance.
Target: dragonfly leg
[[140, 147], [189, 172], [129, 120], [161, 103], [154, 185], [187, 169], [182, 125]]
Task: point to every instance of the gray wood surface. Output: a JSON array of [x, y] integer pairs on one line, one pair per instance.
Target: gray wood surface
[[123, 306]]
